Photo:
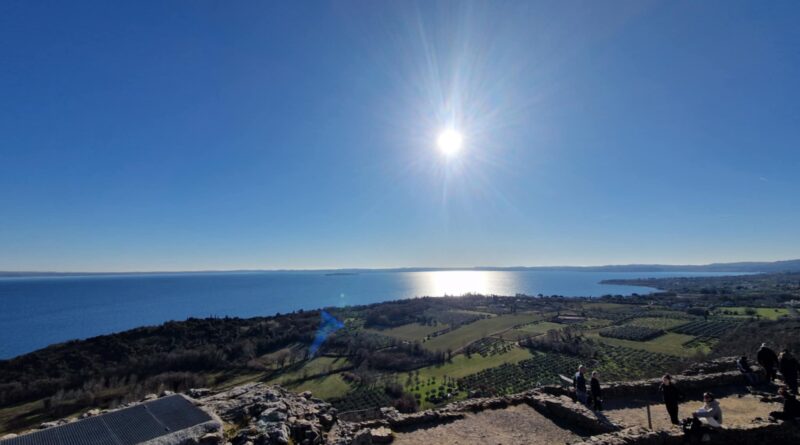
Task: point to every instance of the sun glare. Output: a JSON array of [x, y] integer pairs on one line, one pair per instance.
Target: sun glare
[[450, 141]]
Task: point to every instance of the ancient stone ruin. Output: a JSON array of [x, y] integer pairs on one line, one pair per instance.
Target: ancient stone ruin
[[258, 414]]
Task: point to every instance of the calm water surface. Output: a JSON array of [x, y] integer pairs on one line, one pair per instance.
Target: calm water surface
[[36, 312]]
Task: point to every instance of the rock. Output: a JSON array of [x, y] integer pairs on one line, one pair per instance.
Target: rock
[[149, 397], [166, 393], [381, 435], [306, 395], [8, 436], [362, 437], [327, 420], [90, 413], [197, 393], [211, 439], [273, 415]]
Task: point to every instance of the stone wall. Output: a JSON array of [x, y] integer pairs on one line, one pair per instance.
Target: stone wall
[[560, 408], [688, 384]]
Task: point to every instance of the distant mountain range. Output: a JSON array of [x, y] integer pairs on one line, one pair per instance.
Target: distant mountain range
[[747, 266]]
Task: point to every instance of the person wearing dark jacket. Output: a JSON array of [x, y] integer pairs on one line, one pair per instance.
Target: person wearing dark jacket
[[580, 385], [671, 397], [747, 371], [768, 360], [788, 367], [791, 407], [596, 394]]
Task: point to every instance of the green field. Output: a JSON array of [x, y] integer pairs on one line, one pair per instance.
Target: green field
[[311, 368], [466, 334], [541, 327], [432, 377], [670, 344], [328, 387], [608, 307], [409, 332], [656, 322], [770, 313]]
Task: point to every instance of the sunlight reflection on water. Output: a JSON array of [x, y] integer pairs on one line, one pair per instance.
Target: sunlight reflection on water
[[460, 282]]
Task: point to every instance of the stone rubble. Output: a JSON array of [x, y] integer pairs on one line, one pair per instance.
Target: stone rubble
[[265, 414]]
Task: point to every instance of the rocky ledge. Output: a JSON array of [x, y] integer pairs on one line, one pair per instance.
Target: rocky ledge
[[262, 414]]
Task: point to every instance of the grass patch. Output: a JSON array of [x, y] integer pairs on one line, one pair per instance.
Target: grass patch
[[12, 417], [669, 343], [540, 327], [609, 307], [770, 313], [464, 335], [311, 368], [329, 387], [431, 377], [226, 381], [409, 332], [656, 322]]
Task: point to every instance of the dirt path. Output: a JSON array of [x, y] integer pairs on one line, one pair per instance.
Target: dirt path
[[520, 424], [736, 410]]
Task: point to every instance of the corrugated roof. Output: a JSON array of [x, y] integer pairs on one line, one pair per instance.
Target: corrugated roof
[[127, 426]]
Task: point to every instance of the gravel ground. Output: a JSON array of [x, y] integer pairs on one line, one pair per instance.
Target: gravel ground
[[520, 424]]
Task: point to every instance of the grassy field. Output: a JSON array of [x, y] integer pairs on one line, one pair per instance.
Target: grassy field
[[464, 335], [33, 412], [593, 323], [312, 367], [670, 343], [409, 332], [460, 366], [229, 381], [328, 387], [656, 322], [769, 313], [608, 307], [541, 327]]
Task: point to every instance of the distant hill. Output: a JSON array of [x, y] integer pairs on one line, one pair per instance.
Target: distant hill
[[745, 266]]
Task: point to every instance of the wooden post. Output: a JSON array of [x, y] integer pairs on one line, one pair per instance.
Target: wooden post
[[649, 419]]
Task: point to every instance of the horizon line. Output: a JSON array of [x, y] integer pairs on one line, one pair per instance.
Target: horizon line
[[392, 269]]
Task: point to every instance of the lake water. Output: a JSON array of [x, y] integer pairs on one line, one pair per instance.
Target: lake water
[[36, 312]]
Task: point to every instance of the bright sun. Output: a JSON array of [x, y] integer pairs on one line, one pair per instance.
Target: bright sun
[[450, 141]]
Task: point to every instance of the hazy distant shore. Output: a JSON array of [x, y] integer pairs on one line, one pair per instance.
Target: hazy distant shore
[[748, 266]]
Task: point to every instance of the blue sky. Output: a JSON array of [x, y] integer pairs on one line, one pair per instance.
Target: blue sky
[[224, 135]]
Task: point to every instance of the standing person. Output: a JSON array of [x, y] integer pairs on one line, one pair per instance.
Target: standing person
[[597, 395], [580, 385], [788, 367], [768, 360], [671, 397], [744, 368], [791, 407]]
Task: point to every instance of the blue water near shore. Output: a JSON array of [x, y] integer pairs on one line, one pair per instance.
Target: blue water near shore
[[36, 312]]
